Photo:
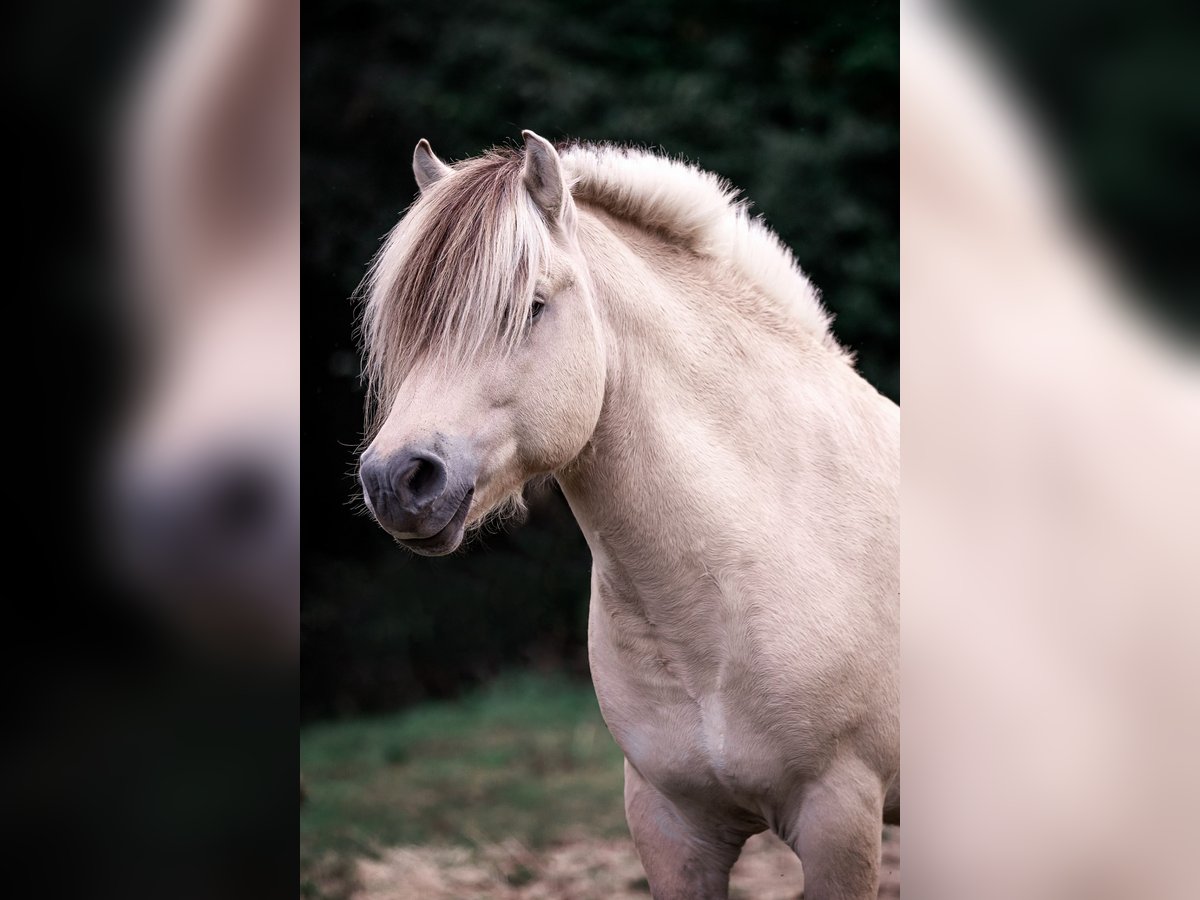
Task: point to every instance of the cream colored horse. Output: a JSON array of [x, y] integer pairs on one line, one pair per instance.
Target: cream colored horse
[[618, 320]]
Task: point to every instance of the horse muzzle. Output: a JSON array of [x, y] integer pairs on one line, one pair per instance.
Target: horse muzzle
[[421, 495]]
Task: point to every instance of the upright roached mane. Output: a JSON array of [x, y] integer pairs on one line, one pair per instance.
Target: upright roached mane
[[457, 275]]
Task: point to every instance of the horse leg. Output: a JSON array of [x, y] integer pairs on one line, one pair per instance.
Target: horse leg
[[683, 861], [838, 834]]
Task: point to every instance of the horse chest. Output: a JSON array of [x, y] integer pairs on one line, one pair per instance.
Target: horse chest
[[684, 741], [696, 748]]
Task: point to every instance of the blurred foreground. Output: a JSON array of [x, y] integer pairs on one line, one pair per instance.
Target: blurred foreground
[[152, 619], [203, 488], [1050, 489]]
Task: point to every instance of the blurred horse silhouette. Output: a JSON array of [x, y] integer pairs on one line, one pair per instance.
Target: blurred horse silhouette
[[206, 483], [619, 320]]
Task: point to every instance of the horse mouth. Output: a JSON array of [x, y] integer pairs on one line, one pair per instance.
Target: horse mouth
[[448, 538]]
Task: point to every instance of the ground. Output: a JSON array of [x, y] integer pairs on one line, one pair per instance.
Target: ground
[[512, 793]]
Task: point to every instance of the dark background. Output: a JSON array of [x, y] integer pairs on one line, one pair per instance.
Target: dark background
[[795, 103]]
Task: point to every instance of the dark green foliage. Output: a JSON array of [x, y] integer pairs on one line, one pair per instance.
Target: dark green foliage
[[796, 103]]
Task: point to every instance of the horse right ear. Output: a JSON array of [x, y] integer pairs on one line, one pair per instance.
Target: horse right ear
[[543, 177], [427, 168]]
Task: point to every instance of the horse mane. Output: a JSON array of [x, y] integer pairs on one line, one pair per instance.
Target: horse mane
[[438, 289], [700, 211]]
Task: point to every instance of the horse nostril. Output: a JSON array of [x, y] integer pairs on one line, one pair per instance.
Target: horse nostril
[[403, 488], [421, 477], [419, 480]]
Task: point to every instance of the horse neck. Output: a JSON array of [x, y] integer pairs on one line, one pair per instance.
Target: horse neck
[[709, 396]]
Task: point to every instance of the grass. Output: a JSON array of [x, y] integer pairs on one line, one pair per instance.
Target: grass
[[527, 757]]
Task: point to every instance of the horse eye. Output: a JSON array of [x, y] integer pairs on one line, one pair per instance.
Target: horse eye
[[536, 310]]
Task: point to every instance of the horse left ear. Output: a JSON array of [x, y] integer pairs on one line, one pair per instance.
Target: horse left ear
[[543, 176], [427, 168]]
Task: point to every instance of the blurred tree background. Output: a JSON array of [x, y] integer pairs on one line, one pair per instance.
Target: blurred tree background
[[795, 103]]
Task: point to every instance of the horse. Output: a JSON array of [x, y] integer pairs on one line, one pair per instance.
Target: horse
[[618, 320]]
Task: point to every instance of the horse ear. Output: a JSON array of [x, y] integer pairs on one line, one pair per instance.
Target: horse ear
[[427, 168], [543, 176]]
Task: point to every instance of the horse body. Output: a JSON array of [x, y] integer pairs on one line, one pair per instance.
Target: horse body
[[737, 484], [743, 620]]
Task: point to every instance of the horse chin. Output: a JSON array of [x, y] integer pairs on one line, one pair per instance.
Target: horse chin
[[441, 544]]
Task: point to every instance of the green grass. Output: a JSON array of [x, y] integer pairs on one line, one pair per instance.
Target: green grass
[[528, 757]]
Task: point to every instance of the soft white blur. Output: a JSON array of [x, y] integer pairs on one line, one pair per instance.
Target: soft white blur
[[204, 517], [1051, 484]]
